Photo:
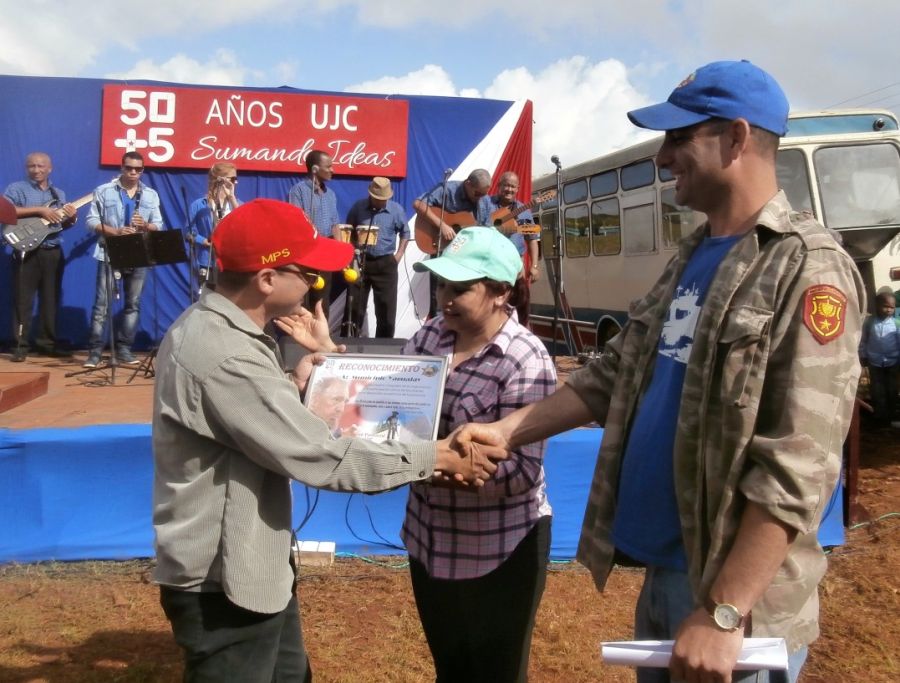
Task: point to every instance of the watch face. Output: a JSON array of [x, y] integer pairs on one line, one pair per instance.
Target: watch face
[[727, 617]]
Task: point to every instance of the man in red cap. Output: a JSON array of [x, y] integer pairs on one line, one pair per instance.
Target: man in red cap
[[229, 433]]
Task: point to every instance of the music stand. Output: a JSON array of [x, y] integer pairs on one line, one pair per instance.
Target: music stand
[[145, 250]]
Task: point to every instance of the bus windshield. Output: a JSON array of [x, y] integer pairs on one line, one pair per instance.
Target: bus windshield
[[859, 185]]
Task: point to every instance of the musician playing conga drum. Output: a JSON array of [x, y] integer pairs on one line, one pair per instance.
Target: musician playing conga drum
[[379, 255]]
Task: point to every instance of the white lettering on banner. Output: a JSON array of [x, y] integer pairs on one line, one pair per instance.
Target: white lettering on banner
[[238, 112], [339, 121], [191, 127], [160, 109], [358, 155], [207, 150]]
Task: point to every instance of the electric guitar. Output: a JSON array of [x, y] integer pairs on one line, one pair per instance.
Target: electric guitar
[[505, 219], [28, 233], [427, 231]]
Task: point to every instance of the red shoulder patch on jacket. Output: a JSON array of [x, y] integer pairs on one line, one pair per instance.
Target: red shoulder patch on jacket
[[824, 308]]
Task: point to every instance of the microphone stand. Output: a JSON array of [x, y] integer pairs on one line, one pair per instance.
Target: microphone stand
[[193, 262], [439, 246], [440, 235], [112, 289], [557, 258]]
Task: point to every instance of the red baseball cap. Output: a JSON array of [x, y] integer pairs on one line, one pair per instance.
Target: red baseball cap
[[266, 233]]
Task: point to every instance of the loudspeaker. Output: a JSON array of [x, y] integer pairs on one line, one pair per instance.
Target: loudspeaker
[[292, 352]]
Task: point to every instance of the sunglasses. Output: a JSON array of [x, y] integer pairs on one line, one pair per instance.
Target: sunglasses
[[136, 169], [309, 278]]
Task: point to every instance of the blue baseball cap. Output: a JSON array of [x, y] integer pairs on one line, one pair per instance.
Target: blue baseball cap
[[475, 253], [723, 90]]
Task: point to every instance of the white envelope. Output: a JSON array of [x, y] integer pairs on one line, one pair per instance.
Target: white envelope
[[757, 653]]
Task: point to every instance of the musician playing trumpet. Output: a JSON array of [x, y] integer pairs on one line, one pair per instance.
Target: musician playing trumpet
[[206, 212]]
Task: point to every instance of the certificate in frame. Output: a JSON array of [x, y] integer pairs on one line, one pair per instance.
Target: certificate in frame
[[379, 397]]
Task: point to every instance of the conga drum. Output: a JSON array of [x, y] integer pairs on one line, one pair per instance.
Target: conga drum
[[345, 232], [366, 235]]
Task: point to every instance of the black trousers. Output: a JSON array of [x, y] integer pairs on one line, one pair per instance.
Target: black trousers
[[479, 630], [379, 277], [224, 642], [40, 274]]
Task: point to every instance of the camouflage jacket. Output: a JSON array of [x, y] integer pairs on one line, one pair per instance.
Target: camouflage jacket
[[764, 409]]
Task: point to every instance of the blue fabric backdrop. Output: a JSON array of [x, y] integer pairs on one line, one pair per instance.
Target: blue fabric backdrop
[[61, 116], [76, 494]]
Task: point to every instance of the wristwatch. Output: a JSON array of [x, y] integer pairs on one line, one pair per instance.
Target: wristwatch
[[727, 617]]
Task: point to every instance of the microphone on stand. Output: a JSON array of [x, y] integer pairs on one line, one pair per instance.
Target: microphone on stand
[[447, 173], [351, 272], [319, 284], [555, 160]]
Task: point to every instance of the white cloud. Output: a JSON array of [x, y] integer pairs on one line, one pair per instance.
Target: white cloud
[[222, 69], [579, 108], [64, 37], [429, 80]]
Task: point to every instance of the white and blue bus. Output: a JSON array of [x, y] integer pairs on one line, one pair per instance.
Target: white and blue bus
[[621, 224]]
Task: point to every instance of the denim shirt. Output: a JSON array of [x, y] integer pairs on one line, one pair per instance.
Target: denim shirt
[[391, 223], [108, 197]]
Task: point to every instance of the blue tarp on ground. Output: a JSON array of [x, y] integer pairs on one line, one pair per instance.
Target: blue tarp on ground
[[86, 493]]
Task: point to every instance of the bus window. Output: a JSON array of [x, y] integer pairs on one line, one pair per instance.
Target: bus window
[[639, 229], [575, 192], [604, 183], [665, 175], [607, 234], [845, 124], [638, 175], [859, 185], [677, 221], [793, 178], [547, 220], [578, 234]]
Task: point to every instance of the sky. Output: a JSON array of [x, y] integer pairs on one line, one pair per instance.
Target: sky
[[584, 63]]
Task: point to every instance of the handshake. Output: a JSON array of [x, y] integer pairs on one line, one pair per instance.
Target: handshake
[[469, 456]]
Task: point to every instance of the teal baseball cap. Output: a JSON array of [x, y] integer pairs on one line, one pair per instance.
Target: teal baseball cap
[[475, 253]]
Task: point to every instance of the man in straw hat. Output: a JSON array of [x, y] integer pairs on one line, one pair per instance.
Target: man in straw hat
[[725, 398], [230, 431], [381, 259]]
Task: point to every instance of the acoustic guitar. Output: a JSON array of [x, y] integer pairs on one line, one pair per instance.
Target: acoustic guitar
[[504, 220], [28, 233]]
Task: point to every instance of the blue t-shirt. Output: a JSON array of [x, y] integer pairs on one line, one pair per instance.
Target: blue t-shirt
[[647, 527]]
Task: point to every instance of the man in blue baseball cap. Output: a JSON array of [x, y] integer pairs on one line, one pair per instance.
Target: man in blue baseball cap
[[725, 398]]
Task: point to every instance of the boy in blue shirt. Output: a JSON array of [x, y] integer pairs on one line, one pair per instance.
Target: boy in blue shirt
[[879, 351]]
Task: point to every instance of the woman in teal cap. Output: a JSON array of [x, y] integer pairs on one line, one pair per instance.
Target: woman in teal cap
[[478, 558]]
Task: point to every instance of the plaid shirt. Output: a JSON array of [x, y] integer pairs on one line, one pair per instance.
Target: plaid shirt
[[466, 534]]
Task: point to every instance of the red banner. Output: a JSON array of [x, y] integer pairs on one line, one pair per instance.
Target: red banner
[[257, 131]]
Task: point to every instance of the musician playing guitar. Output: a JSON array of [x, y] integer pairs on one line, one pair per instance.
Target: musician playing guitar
[[507, 209], [39, 271], [461, 205]]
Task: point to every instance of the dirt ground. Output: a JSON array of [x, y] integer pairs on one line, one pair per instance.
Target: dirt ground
[[101, 622]]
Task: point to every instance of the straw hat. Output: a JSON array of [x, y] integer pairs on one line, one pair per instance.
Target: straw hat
[[380, 188]]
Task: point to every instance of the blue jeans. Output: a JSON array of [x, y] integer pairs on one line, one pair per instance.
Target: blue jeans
[[133, 279], [665, 601]]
